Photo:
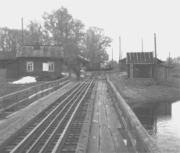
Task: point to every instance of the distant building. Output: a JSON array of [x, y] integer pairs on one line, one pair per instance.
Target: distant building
[[6, 56], [82, 61], [36, 60], [139, 64], [79, 61]]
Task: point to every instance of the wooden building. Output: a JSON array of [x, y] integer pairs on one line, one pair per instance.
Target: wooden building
[[140, 64], [82, 61], [6, 56], [123, 64], [36, 60], [79, 61], [164, 72]]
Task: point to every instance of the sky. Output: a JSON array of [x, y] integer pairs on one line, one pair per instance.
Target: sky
[[130, 20]]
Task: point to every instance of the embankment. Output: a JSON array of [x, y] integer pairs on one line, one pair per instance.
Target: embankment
[[140, 91]]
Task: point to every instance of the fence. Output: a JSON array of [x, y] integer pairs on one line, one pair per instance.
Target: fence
[[138, 140], [15, 101]]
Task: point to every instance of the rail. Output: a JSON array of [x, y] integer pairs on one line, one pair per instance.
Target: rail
[[14, 101], [133, 132], [48, 131]]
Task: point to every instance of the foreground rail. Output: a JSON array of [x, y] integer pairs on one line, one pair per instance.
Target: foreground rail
[[58, 128], [137, 138]]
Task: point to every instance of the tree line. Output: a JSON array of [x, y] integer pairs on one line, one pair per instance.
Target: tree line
[[60, 28]]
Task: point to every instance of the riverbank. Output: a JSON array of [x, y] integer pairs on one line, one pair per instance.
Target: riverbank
[[141, 91]]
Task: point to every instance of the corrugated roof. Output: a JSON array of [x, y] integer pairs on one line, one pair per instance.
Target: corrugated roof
[[139, 57], [7, 55], [43, 51]]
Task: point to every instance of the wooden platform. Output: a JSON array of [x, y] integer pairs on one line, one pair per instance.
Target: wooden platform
[[105, 134]]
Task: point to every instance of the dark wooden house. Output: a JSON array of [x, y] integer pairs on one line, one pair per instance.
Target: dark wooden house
[[37, 60], [6, 56], [140, 64]]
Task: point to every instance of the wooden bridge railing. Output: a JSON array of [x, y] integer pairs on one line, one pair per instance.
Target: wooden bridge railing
[[132, 130], [13, 101]]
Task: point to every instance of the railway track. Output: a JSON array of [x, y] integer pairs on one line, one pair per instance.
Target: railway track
[[58, 128]]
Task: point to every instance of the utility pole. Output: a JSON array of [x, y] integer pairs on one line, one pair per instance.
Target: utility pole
[[142, 44], [169, 59], [120, 55], [112, 57], [22, 32], [68, 51], [155, 57]]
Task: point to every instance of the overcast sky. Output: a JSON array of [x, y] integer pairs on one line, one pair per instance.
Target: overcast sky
[[131, 20]]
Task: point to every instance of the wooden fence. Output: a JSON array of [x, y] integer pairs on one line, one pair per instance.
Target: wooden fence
[[132, 130], [15, 101]]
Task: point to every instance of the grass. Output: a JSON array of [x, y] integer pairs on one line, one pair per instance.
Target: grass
[[139, 91]]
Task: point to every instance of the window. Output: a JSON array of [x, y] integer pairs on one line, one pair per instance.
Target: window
[[51, 66], [48, 66], [30, 66], [45, 67]]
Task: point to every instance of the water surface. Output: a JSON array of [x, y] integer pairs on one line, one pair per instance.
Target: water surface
[[162, 121]]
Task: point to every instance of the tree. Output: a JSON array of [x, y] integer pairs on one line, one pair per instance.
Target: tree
[[10, 39], [96, 44], [65, 30], [74, 39], [58, 24], [35, 32]]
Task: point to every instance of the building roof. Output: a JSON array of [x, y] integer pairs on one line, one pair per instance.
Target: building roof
[[7, 55], [124, 59], [155, 59], [82, 58], [140, 58], [40, 51]]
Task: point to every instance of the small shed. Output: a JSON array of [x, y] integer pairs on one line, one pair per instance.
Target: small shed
[[140, 64], [79, 61], [82, 61], [36, 60], [6, 56]]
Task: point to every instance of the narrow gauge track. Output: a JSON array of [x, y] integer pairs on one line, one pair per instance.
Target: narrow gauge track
[[58, 128]]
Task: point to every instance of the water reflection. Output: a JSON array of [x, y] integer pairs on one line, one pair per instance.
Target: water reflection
[[148, 114], [161, 120]]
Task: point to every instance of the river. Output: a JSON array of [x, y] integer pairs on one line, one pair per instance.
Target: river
[[162, 121]]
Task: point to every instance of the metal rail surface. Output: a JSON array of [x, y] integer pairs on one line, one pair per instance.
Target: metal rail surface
[[51, 130]]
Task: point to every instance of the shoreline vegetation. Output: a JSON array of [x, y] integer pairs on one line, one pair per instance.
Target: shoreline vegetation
[[137, 92]]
